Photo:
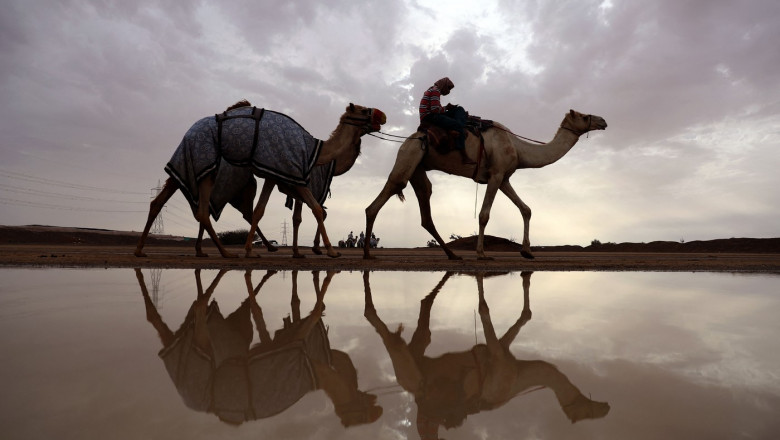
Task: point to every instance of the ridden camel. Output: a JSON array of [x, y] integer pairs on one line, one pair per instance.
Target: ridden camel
[[342, 147], [452, 386], [503, 154]]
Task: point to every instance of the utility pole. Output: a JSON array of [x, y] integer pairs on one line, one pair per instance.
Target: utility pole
[[156, 275], [284, 233], [157, 226]]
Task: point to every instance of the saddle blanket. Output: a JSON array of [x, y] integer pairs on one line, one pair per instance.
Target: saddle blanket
[[242, 142]]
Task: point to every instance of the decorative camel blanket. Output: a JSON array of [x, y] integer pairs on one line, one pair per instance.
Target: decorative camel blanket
[[233, 381], [251, 140]]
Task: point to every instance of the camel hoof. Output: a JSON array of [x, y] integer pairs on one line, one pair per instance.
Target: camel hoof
[[316, 250], [201, 255], [527, 254], [335, 255], [272, 248], [485, 258], [454, 257], [139, 254], [299, 256]]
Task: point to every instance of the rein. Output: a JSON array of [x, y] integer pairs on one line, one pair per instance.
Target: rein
[[395, 136], [518, 136]]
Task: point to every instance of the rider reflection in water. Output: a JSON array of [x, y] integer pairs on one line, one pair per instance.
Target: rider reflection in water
[[450, 387]]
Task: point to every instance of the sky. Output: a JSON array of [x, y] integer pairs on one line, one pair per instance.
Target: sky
[[96, 95]]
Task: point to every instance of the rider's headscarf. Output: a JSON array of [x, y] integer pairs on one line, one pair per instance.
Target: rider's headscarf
[[444, 84]]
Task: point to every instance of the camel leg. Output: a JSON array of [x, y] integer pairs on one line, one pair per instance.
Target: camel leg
[[407, 371], [421, 337], [409, 157], [203, 215], [257, 214], [202, 336], [423, 189], [525, 211], [491, 339], [316, 246], [295, 302], [255, 309], [484, 214], [390, 189], [153, 315], [156, 205], [199, 243], [296, 218], [245, 208], [317, 210], [525, 316]]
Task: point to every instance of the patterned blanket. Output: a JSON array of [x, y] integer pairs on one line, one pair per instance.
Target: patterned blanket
[[243, 142]]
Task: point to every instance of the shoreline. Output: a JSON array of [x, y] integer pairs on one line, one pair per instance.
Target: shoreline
[[403, 259]]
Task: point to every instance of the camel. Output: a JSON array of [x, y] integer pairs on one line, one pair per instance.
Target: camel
[[454, 385], [503, 154], [217, 369], [341, 148]]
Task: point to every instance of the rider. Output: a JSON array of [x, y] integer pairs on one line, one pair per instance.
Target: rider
[[451, 117]]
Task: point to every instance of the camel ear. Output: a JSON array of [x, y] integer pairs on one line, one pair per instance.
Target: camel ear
[[351, 107], [571, 112]]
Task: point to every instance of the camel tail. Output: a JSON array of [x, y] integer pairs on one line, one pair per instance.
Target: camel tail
[[400, 195]]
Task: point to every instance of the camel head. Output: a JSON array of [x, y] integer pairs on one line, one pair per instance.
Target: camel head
[[580, 124], [370, 119]]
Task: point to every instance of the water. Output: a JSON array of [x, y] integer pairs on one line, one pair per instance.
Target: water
[[91, 354]]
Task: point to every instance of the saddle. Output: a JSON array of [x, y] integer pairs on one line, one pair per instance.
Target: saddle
[[443, 140]]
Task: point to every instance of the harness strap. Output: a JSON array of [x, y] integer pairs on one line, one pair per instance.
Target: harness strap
[[480, 153], [257, 115]]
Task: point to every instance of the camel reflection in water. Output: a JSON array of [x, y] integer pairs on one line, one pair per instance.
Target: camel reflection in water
[[216, 368], [452, 386]]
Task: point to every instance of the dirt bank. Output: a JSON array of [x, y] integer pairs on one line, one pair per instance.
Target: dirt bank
[[42, 246]]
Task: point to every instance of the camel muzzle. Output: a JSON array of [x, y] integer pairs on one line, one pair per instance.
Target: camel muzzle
[[378, 118]]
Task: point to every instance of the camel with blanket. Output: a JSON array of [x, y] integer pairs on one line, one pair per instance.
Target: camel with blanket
[[216, 368], [220, 155]]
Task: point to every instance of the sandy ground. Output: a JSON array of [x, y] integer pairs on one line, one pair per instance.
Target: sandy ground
[[420, 259]]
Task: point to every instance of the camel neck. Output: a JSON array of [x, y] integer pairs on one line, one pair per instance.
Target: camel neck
[[343, 146], [537, 156]]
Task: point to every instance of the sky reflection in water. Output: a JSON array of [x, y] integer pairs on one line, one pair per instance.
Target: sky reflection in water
[[673, 355]]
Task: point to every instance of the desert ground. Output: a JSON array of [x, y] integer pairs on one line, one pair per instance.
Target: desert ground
[[43, 246]]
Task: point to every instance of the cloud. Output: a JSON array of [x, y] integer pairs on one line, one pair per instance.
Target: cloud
[[689, 91]]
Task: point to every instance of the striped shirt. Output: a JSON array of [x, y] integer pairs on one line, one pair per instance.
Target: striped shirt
[[430, 102]]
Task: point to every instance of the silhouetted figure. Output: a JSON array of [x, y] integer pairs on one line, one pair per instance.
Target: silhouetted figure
[[216, 369], [450, 387]]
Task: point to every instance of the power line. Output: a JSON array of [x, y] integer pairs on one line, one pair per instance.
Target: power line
[[17, 202], [35, 192], [60, 183]]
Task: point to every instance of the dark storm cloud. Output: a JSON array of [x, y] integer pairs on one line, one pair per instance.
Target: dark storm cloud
[[689, 88]]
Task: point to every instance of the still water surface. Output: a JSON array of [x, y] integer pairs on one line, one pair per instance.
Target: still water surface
[[160, 354]]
